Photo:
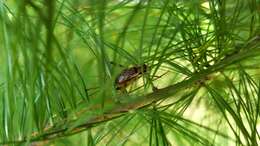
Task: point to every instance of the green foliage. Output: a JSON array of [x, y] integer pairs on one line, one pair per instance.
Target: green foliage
[[60, 58]]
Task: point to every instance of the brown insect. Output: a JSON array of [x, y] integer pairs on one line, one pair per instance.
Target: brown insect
[[129, 75]]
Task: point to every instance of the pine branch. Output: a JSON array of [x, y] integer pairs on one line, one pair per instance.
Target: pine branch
[[143, 101]]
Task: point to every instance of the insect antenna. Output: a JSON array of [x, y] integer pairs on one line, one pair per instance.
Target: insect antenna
[[154, 79], [117, 64]]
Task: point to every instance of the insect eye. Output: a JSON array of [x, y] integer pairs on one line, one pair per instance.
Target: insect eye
[[144, 68]]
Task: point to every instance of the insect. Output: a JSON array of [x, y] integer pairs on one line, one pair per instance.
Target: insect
[[129, 75]]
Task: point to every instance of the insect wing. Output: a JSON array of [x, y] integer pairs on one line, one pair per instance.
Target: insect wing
[[127, 75]]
